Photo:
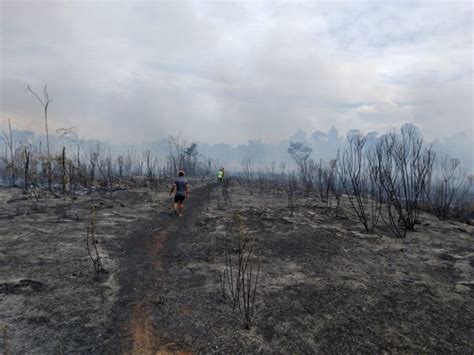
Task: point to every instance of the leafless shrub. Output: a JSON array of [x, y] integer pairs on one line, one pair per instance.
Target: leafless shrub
[[249, 285], [149, 165], [404, 169], [358, 182], [447, 182], [191, 159], [291, 192], [240, 278], [271, 175], [326, 179], [105, 169], [91, 244], [248, 169]]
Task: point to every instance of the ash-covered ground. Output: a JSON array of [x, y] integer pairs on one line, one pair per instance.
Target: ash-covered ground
[[324, 286]]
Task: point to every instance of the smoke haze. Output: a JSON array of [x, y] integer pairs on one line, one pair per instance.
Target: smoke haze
[[131, 72]]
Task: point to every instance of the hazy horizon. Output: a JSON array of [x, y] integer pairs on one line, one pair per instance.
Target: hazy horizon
[[132, 72], [324, 145]]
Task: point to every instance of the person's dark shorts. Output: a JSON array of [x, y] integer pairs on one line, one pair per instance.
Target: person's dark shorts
[[179, 198]]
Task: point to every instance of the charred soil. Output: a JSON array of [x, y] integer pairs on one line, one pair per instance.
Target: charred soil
[[325, 285]]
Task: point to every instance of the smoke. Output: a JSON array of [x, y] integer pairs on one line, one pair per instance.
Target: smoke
[[224, 73], [323, 145]]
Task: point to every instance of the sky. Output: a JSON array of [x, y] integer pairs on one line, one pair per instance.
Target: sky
[[130, 71]]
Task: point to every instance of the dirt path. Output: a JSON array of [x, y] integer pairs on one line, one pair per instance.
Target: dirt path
[[142, 280], [139, 328]]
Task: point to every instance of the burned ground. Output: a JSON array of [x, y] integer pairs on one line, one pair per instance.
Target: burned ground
[[50, 301], [325, 286]]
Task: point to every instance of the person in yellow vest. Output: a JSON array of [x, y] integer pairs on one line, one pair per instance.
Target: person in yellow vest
[[220, 175]]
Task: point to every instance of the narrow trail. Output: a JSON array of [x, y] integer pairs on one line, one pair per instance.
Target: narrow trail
[[142, 285], [140, 328]]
